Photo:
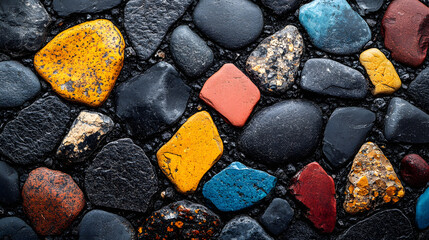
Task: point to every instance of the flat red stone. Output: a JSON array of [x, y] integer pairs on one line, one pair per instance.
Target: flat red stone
[[313, 187], [51, 200], [415, 170], [405, 27], [231, 93]]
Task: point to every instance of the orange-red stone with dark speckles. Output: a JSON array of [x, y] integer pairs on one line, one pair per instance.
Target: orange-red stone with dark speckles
[[51, 200]]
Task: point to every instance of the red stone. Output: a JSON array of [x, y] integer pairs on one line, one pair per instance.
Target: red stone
[[415, 170], [231, 93], [313, 187], [51, 200], [405, 27]]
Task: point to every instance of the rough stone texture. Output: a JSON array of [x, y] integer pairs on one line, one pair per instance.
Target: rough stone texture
[[190, 52], [51, 200], [14, 228], [345, 132], [181, 220], [300, 230], [147, 22], [422, 210], [9, 185], [277, 216], [35, 131], [415, 170], [23, 26], [243, 228], [368, 6], [231, 24], [328, 77], [406, 123], [238, 187], [388, 224], [419, 89], [281, 7], [121, 176], [274, 63], [289, 130], [372, 181], [67, 7], [151, 102], [18, 84], [406, 31], [88, 129], [314, 188]]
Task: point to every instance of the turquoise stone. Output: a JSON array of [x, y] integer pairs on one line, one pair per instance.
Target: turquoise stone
[[422, 210]]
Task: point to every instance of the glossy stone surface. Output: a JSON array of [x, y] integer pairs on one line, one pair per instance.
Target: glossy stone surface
[[368, 6], [243, 228], [419, 89], [14, 228], [280, 7], [67, 7], [422, 210], [9, 185], [414, 170], [277, 216]]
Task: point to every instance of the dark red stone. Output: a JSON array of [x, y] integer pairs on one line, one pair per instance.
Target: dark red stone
[[405, 27], [313, 187], [415, 170]]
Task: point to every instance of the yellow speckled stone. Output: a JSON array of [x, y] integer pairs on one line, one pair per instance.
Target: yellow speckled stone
[[191, 152], [82, 63], [381, 72]]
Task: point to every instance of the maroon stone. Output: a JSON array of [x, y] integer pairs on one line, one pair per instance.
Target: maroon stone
[[316, 190], [406, 31], [415, 170]]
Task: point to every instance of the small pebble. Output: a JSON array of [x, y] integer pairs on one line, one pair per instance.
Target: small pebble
[[368, 6], [419, 89], [277, 216], [415, 170], [280, 7], [243, 228]]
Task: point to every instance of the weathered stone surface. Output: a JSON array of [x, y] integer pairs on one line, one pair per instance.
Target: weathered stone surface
[[243, 228], [181, 220], [277, 216], [14, 228], [51, 200], [422, 210], [88, 129], [289, 130], [372, 181], [415, 170], [151, 102], [18, 84], [281, 7], [9, 185], [35, 131], [302, 230], [67, 7], [238, 187], [231, 24], [419, 89], [147, 22], [328, 77], [121, 176], [314, 188], [368, 6], [381, 72], [274, 63], [82, 63], [191, 152], [23, 26]]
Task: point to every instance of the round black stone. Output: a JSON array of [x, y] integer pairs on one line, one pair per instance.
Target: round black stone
[[244, 228], [13, 228], [277, 216], [9, 185]]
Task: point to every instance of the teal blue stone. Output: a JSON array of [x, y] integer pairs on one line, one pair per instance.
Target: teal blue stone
[[238, 187], [334, 27], [422, 210]]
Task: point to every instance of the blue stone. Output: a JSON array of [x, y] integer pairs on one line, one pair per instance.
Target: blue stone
[[422, 210], [238, 187], [334, 27]]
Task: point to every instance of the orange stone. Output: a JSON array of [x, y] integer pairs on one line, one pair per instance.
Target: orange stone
[[82, 63]]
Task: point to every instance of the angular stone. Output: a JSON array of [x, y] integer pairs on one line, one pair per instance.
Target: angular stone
[[231, 24], [121, 176], [191, 152], [368, 6], [98, 224], [82, 63], [147, 22], [190, 52], [277, 216], [181, 220], [289, 130], [18, 84], [243, 228], [328, 77], [24, 26], [14, 228], [238, 187], [51, 200], [149, 103], [415, 170], [67, 7], [275, 62], [314, 188], [372, 181], [422, 210], [231, 93], [334, 27], [345, 133], [9, 185], [381, 72], [406, 123], [88, 129], [35, 131], [419, 89], [406, 32], [281, 7]]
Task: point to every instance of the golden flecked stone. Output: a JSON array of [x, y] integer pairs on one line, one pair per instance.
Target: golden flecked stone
[[371, 181], [82, 63], [191, 152], [381, 72]]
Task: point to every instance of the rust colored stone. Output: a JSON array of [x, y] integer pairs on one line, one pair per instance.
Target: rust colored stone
[[415, 170]]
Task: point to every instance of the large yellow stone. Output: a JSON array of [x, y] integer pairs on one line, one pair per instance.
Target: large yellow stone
[[191, 152], [82, 63], [381, 72]]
